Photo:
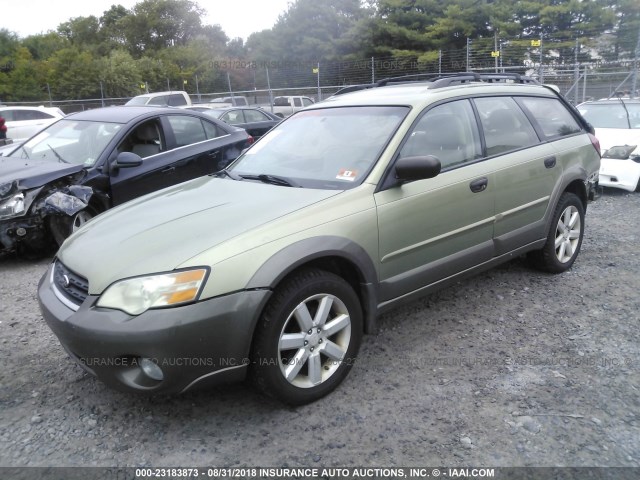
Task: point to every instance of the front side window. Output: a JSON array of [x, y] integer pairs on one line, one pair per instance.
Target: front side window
[[448, 132], [330, 148], [505, 125], [234, 117], [255, 116], [552, 116]]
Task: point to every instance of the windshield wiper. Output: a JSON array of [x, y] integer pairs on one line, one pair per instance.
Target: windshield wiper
[[226, 172], [272, 179], [25, 151], [57, 154]]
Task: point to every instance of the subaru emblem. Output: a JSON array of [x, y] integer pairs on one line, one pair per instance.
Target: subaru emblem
[[65, 281]]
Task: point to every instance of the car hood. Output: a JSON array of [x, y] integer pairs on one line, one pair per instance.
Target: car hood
[[611, 137], [31, 174], [162, 230]]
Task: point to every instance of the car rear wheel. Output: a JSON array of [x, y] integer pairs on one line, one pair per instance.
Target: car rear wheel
[[565, 236], [63, 226], [308, 337]]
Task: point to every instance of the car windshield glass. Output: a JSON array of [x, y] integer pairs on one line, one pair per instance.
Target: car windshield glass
[[611, 115], [69, 141], [331, 148], [138, 101]]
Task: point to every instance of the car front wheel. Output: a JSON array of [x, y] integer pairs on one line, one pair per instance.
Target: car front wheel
[[63, 226], [307, 338], [565, 236]]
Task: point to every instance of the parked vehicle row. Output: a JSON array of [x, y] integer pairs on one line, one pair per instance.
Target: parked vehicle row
[[274, 267], [24, 122], [91, 161], [617, 124]]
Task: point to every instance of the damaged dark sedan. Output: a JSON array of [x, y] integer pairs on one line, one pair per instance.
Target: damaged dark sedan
[[91, 161]]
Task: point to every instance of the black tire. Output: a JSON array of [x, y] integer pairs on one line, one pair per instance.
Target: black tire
[[62, 226], [311, 375], [569, 212]]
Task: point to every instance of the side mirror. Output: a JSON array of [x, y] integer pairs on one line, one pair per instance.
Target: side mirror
[[417, 168], [127, 160]]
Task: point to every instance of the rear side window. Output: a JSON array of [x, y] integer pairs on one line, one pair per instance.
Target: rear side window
[[176, 100], [552, 116], [505, 125], [187, 130]]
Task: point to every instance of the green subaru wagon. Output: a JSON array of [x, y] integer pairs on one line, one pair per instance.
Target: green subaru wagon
[[274, 268]]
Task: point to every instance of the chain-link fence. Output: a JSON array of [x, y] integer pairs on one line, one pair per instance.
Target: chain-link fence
[[568, 64]]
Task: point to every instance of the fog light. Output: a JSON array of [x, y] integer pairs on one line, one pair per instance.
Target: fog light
[[152, 370], [21, 232]]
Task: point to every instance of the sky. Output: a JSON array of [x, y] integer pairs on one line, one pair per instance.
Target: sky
[[238, 18]]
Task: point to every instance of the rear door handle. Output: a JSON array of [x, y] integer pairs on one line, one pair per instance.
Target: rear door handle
[[168, 169], [479, 185], [550, 162]]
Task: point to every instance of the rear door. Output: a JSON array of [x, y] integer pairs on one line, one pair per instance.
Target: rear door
[[527, 171], [431, 229]]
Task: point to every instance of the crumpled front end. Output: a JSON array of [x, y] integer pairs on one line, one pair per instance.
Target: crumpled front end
[[24, 213]]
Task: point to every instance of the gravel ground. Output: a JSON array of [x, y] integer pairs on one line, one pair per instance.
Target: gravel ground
[[510, 368]]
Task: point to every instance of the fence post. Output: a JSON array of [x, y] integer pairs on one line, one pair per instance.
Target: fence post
[[468, 47], [319, 92], [269, 87], [439, 62], [634, 83], [584, 84], [101, 94], [541, 66], [576, 71], [373, 70]]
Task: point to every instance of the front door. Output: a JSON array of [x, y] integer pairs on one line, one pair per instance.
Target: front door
[[431, 229]]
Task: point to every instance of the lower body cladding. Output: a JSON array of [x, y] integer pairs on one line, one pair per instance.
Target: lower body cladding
[[164, 350]]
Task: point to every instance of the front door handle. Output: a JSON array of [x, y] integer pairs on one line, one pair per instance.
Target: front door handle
[[479, 185], [168, 169], [550, 162]]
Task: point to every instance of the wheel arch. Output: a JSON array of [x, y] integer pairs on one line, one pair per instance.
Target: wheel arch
[[338, 255]]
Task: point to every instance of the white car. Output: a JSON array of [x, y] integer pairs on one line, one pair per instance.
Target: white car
[[24, 122], [617, 125]]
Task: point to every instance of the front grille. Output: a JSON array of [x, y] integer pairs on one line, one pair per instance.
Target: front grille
[[72, 286]]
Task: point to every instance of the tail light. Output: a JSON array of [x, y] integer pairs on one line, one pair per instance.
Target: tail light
[[596, 143]]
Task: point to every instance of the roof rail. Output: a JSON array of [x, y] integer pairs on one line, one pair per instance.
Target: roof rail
[[466, 77], [441, 81]]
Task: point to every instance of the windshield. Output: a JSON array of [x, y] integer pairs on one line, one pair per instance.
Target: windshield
[[332, 148], [611, 115], [69, 141]]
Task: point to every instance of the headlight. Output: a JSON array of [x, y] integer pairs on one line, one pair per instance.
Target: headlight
[[136, 295], [621, 152], [13, 206]]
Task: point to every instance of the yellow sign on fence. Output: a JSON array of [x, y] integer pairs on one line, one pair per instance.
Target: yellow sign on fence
[[495, 54], [536, 43]]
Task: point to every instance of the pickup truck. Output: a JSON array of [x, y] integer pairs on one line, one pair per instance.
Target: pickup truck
[[285, 106]]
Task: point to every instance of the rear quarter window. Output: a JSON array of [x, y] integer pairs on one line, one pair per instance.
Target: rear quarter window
[[552, 116]]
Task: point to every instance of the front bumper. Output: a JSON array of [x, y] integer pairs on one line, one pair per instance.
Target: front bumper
[[203, 343], [28, 229]]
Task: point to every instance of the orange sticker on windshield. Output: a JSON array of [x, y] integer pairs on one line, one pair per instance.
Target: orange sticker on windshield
[[348, 175]]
